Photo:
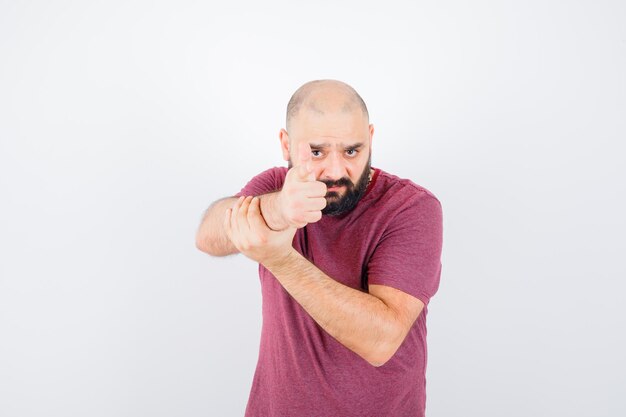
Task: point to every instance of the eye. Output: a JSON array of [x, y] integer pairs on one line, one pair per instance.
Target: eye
[[352, 150], [313, 152]]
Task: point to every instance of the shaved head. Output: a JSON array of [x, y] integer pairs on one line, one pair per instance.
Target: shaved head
[[322, 97], [331, 118]]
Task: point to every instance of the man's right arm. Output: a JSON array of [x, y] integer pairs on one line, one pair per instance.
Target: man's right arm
[[300, 201], [211, 237]]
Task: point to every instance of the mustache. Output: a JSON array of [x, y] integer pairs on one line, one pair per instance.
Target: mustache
[[338, 183]]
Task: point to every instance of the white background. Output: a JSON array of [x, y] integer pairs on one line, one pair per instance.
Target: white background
[[121, 121]]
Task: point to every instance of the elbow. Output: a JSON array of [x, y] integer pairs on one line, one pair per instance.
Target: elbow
[[201, 243], [386, 350], [377, 364], [382, 355], [210, 248], [380, 358]]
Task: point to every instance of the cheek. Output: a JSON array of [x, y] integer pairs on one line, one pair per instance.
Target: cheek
[[357, 171]]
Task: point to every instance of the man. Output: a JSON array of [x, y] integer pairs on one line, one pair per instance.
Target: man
[[349, 257]]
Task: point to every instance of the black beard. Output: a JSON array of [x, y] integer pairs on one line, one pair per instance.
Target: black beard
[[354, 192]]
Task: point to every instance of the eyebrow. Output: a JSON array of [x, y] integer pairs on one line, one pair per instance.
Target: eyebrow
[[327, 145]]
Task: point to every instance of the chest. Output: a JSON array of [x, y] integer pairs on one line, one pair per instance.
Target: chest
[[341, 253]]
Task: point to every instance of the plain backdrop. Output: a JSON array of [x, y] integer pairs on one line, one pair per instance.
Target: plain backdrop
[[121, 121]]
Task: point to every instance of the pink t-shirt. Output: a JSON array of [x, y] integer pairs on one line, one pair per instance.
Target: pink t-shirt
[[392, 237]]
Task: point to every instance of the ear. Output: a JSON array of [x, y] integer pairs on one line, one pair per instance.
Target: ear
[[284, 143], [371, 134]]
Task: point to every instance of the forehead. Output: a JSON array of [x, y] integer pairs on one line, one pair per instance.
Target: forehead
[[336, 128]]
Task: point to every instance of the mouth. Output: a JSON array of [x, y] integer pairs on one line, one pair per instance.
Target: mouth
[[335, 188]]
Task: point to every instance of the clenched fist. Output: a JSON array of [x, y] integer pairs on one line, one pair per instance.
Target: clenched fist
[[302, 198]]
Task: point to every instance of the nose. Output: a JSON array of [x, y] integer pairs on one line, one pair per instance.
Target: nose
[[333, 169]]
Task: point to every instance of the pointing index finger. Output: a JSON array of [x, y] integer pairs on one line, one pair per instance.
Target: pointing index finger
[[255, 218], [304, 161]]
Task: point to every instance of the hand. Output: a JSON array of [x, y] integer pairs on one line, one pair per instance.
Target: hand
[[246, 228], [302, 198]]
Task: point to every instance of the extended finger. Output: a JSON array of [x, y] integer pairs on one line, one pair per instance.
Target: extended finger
[[227, 226], [242, 215], [236, 205], [304, 162], [234, 224], [255, 219], [243, 210]]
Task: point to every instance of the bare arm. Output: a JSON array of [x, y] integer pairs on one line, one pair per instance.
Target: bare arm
[[300, 201], [211, 237], [372, 325]]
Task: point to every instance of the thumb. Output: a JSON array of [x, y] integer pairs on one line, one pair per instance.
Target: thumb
[[304, 162]]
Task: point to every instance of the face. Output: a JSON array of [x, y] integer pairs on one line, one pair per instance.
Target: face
[[340, 154]]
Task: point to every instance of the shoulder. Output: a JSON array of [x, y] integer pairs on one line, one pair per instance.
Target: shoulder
[[271, 179], [278, 173], [399, 207], [399, 194]]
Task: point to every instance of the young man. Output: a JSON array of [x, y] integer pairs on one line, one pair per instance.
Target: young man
[[349, 257]]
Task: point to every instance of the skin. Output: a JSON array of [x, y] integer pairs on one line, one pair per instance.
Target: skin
[[331, 131], [373, 324]]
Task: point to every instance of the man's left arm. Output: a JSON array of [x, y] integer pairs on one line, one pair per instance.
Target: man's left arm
[[372, 325]]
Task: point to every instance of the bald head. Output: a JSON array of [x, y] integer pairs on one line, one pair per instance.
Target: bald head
[[323, 97]]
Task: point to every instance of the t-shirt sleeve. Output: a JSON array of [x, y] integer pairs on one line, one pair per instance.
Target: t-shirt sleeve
[[408, 255], [266, 182]]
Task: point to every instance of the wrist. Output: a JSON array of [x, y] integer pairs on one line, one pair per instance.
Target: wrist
[[280, 260], [276, 219]]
